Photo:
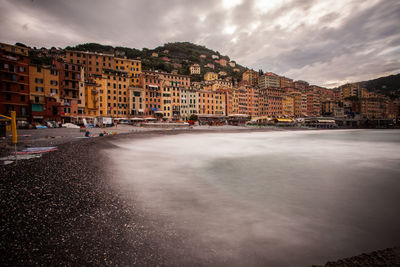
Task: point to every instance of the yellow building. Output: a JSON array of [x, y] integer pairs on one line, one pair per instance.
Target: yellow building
[[353, 90], [113, 94], [210, 76], [288, 106], [132, 67], [43, 82], [92, 99], [14, 49]]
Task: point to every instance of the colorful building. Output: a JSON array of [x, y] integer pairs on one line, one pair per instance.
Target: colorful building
[[210, 76], [270, 102], [251, 77], [286, 82], [288, 106], [132, 67], [93, 63], [14, 81], [44, 92], [212, 102]]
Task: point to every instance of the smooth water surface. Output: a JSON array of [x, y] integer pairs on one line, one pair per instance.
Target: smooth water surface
[[270, 198]]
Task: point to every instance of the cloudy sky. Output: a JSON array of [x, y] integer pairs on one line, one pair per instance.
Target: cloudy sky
[[324, 42]]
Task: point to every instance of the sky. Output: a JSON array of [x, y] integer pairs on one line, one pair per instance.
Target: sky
[[325, 42]]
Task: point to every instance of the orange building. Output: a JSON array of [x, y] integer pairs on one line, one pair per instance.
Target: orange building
[[286, 82], [93, 63], [248, 100], [153, 90], [270, 102], [212, 102], [69, 89], [314, 107]]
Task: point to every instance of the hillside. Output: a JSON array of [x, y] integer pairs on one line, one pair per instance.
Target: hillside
[[171, 56], [389, 85]]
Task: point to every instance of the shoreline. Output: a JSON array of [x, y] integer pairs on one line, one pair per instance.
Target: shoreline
[[61, 209]]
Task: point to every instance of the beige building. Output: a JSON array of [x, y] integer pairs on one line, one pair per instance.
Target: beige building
[[136, 101], [195, 69], [269, 80]]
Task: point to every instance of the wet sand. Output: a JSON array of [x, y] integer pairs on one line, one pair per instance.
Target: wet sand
[[61, 209]]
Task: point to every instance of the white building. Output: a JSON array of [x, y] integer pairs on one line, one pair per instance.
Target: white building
[[189, 103]]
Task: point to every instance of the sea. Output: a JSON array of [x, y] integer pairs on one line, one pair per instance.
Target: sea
[[277, 198]]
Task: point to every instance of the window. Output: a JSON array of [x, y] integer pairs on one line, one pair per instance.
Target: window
[[39, 89]]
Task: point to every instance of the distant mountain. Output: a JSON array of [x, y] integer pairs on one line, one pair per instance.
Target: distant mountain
[[170, 56], [389, 85]]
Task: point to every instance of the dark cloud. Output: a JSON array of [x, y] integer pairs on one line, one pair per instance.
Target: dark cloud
[[325, 42]]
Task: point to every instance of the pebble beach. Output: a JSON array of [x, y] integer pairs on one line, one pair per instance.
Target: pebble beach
[[60, 209]]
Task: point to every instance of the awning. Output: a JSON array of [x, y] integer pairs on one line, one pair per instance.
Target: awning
[[159, 112], [261, 118], [141, 110], [150, 119], [239, 115], [137, 119], [284, 120], [327, 121]]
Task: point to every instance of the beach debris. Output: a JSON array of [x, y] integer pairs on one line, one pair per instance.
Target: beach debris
[[70, 125], [36, 150], [10, 159], [41, 127]]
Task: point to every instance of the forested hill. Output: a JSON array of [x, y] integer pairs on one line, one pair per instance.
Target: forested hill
[[170, 56], [389, 85]]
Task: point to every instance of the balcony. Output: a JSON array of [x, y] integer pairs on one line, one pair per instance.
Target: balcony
[[71, 88]]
